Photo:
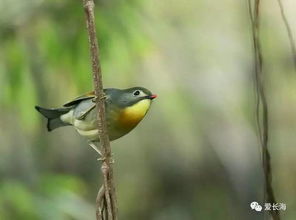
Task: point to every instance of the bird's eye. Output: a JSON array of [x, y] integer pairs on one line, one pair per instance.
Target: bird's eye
[[136, 93]]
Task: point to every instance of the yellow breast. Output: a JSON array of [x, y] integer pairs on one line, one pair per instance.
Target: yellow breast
[[131, 116]]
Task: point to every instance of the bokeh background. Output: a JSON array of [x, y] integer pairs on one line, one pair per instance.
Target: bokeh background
[[196, 155]]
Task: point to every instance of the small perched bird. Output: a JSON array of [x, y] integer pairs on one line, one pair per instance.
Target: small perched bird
[[124, 110]]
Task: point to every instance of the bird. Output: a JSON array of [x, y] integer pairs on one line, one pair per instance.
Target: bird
[[124, 108]]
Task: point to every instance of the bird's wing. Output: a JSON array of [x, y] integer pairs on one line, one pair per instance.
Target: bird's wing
[[89, 95], [87, 108]]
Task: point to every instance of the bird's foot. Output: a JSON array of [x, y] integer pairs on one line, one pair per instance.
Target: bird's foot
[[103, 159], [104, 96]]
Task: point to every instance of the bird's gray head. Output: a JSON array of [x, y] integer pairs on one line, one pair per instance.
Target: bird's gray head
[[130, 96]]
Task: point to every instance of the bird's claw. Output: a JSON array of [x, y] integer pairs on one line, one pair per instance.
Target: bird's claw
[[104, 96], [103, 159], [102, 156]]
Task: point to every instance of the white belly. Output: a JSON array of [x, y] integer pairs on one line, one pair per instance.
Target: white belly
[[86, 129], [90, 134]]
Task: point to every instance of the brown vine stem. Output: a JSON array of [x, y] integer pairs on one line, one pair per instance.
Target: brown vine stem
[[108, 196], [262, 116]]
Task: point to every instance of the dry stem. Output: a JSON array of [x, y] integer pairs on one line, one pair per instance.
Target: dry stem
[[261, 101], [108, 186]]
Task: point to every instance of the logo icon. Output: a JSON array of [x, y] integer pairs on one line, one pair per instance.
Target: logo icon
[[255, 206]]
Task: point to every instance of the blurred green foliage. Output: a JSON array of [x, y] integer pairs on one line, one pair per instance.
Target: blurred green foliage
[[196, 154]]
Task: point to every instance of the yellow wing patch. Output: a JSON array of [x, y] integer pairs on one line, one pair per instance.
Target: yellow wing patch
[[131, 116]]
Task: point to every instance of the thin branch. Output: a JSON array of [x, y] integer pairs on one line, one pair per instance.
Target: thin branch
[[105, 171], [106, 168], [289, 32], [100, 203], [256, 76], [261, 101]]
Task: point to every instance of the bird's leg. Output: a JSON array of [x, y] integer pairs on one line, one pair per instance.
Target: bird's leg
[[101, 158]]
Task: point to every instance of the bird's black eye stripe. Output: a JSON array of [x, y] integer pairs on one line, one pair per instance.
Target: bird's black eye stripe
[[136, 93]]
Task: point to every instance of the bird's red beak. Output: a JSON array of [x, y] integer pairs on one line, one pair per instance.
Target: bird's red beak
[[153, 96]]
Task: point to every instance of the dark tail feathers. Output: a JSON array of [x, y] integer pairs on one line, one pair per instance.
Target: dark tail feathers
[[53, 116]]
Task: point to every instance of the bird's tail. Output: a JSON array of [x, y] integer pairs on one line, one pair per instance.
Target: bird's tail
[[53, 116]]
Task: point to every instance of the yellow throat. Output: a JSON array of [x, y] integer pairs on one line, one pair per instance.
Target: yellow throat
[[131, 116]]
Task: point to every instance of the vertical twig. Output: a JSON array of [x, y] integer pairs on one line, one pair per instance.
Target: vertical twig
[[99, 201], [262, 117], [289, 32], [108, 186]]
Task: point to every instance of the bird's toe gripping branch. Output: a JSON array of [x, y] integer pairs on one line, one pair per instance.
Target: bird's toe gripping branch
[[104, 96], [101, 158]]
